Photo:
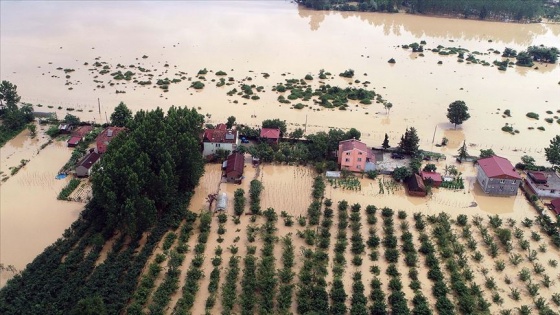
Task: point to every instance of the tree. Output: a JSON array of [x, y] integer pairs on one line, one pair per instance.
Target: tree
[[71, 119], [90, 306], [230, 122], [409, 142], [552, 153], [457, 113], [8, 94], [528, 160], [296, 134], [388, 106], [484, 153], [463, 154], [121, 116], [401, 173], [275, 123], [353, 133], [430, 167], [385, 143], [32, 130]]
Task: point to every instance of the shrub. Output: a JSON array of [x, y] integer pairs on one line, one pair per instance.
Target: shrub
[[532, 115], [197, 85]]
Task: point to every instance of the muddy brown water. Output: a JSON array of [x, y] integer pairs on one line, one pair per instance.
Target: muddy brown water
[[246, 39]]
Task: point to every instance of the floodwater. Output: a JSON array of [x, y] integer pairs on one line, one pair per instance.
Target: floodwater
[[31, 216], [246, 39]]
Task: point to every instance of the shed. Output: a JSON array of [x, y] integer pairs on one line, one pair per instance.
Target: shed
[[83, 168], [432, 177], [234, 167], [555, 206], [221, 204], [73, 141], [416, 186]]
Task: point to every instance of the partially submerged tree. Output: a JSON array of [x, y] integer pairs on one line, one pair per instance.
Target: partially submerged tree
[[71, 119], [230, 122], [463, 154], [409, 142], [458, 112], [401, 173]]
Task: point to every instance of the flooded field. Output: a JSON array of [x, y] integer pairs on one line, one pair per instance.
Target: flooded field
[[246, 39]]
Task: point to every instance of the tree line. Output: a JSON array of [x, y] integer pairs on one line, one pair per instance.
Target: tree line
[[517, 10]]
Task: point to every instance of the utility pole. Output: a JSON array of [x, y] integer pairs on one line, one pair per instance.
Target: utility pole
[[305, 129], [99, 105]]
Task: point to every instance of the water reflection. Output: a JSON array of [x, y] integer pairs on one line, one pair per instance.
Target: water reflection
[[444, 28]]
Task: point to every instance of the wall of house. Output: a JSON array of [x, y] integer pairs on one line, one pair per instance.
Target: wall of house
[[497, 186], [543, 193], [353, 160], [211, 147]]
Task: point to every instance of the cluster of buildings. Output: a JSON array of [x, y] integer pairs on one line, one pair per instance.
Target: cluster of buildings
[[84, 166]]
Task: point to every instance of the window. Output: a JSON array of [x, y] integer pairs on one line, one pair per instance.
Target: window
[[502, 181], [359, 166], [217, 145], [359, 153], [359, 159], [347, 153], [514, 182], [347, 160]]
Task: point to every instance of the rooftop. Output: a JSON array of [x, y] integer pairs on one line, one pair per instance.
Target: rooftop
[[415, 183], [436, 177], [270, 133], [89, 160], [235, 162], [220, 134], [106, 136], [498, 167], [551, 180]]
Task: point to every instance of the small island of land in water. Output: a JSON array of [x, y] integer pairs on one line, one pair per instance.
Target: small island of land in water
[[146, 237]]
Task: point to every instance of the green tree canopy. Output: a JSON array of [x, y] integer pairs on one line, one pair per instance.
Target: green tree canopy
[[385, 143], [90, 306], [147, 169], [297, 133], [230, 122], [458, 112], [8, 94], [71, 119], [463, 154], [552, 153], [484, 153], [409, 142], [121, 115], [353, 133]]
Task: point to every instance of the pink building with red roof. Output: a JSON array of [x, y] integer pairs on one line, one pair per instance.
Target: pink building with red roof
[[219, 138], [497, 176], [272, 135], [355, 156]]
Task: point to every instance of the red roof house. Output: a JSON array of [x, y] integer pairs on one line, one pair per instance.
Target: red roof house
[[234, 167], [105, 137], [433, 177], [73, 141], [219, 138], [497, 176], [272, 135], [82, 131]]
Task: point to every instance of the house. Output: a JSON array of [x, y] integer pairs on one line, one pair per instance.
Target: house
[[432, 178], [555, 206], [497, 176], [103, 139], [355, 156], [65, 128], [73, 141], [544, 184], [219, 138], [271, 135], [415, 186], [234, 167], [82, 131], [83, 168]]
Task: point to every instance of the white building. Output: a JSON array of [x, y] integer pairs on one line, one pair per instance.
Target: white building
[[219, 138]]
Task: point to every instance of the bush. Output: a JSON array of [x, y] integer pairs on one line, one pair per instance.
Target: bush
[[197, 85], [68, 189], [532, 115]]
